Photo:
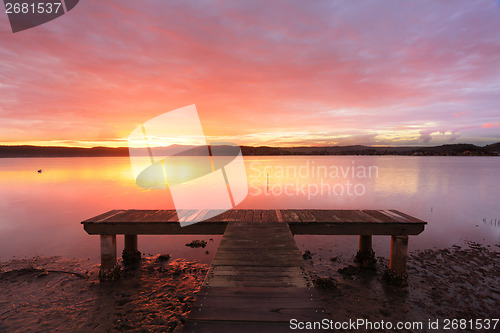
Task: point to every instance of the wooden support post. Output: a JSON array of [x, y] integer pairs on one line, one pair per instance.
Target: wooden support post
[[130, 254], [109, 269], [365, 256], [396, 273], [131, 242], [399, 254], [365, 243]]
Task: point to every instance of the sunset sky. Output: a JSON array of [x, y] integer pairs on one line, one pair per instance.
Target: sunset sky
[[278, 73]]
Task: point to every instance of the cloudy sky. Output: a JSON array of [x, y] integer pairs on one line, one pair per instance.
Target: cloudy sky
[[277, 73]]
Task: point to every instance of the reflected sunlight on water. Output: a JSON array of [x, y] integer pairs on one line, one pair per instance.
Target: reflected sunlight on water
[[41, 211]]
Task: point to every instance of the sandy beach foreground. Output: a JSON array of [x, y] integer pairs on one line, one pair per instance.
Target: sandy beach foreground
[[56, 294]]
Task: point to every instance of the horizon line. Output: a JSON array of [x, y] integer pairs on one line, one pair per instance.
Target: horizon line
[[252, 146]]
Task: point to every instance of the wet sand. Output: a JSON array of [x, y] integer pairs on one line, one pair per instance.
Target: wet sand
[[453, 283], [41, 295], [63, 295]]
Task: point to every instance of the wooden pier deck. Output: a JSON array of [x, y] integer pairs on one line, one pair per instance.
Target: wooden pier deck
[[257, 282], [364, 223]]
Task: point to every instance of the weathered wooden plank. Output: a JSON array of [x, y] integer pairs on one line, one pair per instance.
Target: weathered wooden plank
[[257, 215], [410, 218], [324, 216], [292, 272], [258, 291], [146, 215], [201, 215], [236, 326], [240, 215], [184, 214], [259, 314], [270, 233], [234, 215], [220, 217], [279, 215], [218, 228], [267, 233], [242, 250], [149, 216], [379, 215], [231, 281], [163, 215], [255, 241], [154, 228], [258, 271], [230, 270], [257, 246], [236, 262], [238, 243], [364, 217], [276, 257], [249, 215], [120, 217], [104, 216], [356, 228], [129, 215], [175, 217], [289, 216], [189, 216], [305, 215], [353, 216], [251, 301], [258, 218], [256, 251]]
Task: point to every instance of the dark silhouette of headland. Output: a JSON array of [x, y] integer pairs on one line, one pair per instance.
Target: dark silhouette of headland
[[461, 149]]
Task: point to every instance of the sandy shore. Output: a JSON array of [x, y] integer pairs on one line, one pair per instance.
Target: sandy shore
[[452, 283], [42, 295], [62, 295]]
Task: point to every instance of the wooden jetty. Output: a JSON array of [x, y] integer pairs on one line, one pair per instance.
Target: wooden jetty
[[257, 281]]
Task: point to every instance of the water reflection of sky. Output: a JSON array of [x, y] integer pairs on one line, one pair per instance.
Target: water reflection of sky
[[41, 212]]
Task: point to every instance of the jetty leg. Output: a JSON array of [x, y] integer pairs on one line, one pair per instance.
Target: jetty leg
[[396, 274], [365, 255], [130, 253], [109, 271]]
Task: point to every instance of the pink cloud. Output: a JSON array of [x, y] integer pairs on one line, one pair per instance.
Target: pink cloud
[[488, 125], [253, 67]]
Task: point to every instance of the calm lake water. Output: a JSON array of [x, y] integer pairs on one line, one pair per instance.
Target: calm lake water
[[458, 196]]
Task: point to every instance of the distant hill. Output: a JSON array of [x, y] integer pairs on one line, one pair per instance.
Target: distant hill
[[495, 147], [443, 150], [37, 151]]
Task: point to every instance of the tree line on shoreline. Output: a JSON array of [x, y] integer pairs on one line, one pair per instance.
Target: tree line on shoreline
[[443, 150]]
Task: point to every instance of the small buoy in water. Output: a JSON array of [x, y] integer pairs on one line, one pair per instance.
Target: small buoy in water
[[40, 171]]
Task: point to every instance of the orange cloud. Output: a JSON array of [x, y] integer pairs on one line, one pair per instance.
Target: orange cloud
[[488, 125]]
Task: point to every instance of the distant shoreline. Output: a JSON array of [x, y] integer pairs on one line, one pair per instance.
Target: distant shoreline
[[443, 150]]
